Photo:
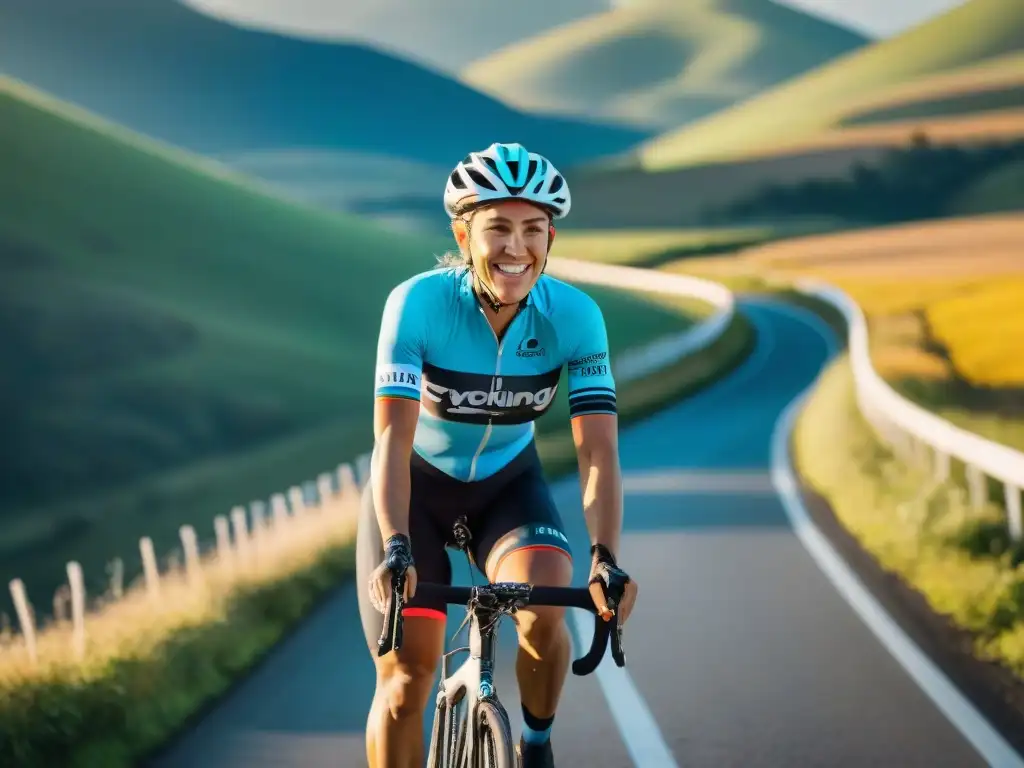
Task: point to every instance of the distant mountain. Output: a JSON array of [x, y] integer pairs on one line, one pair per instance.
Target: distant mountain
[[800, 109], [442, 34], [660, 63], [170, 72]]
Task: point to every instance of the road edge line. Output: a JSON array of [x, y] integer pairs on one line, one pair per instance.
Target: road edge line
[[960, 712], [637, 726]]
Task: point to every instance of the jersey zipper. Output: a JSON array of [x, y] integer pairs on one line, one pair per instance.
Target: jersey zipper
[[497, 372]]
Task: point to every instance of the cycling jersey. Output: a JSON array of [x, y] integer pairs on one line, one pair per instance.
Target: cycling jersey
[[480, 395]]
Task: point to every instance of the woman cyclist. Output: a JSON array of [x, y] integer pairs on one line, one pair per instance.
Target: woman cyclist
[[469, 354]]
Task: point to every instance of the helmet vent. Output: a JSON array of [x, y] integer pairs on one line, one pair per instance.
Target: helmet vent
[[489, 162], [479, 179]]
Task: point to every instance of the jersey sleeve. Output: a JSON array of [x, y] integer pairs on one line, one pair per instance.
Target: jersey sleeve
[[401, 343], [591, 385]]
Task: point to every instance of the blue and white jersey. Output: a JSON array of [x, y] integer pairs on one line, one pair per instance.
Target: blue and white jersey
[[478, 396]]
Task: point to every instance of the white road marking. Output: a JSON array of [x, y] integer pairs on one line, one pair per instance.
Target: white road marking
[[939, 688], [640, 733]]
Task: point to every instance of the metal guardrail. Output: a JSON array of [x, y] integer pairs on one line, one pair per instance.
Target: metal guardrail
[[911, 429], [641, 361]]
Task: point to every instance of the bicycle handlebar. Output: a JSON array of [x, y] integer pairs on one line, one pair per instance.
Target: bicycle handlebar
[[567, 597]]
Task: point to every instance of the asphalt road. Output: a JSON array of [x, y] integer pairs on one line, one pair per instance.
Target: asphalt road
[[743, 652]]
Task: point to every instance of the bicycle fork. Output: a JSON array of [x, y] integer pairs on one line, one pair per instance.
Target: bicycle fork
[[472, 683]]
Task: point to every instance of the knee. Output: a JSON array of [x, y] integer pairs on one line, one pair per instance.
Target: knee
[[406, 689], [542, 630]]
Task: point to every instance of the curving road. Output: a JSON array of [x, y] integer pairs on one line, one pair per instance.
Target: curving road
[[740, 651]]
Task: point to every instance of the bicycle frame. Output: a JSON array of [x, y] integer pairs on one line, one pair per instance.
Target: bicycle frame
[[471, 683]]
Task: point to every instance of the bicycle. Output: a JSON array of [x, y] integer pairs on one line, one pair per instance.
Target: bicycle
[[483, 736]]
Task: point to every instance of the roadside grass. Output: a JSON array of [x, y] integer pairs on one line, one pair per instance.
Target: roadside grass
[[960, 560], [150, 666]]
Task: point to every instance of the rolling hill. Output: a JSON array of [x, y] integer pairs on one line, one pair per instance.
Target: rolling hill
[[797, 111], [660, 63], [176, 340], [170, 72], [443, 34], [991, 85]]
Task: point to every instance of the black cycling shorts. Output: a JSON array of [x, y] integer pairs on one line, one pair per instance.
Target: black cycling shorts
[[509, 510]]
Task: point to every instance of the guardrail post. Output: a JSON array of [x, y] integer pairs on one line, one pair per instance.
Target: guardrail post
[[149, 567], [25, 618], [324, 488], [77, 582], [222, 530], [238, 523], [1013, 512], [977, 487], [190, 545], [296, 501], [258, 533], [279, 509]]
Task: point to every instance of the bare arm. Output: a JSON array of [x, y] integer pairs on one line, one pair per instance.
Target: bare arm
[[597, 453], [394, 426]]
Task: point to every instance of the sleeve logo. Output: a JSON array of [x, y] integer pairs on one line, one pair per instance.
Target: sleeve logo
[[398, 375], [587, 361], [593, 370]]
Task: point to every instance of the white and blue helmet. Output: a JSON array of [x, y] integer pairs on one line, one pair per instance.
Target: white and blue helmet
[[506, 172]]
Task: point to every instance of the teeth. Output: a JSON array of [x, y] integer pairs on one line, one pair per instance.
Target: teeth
[[511, 269]]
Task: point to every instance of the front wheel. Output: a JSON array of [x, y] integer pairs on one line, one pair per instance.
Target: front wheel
[[446, 737], [494, 737]]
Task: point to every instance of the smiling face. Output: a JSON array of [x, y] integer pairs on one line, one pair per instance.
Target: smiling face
[[509, 243]]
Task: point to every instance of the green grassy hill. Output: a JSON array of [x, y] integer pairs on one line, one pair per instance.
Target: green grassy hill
[[971, 33], [991, 85], [277, 105], [176, 340], [660, 64]]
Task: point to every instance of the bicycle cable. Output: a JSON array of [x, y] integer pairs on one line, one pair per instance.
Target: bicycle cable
[[462, 538]]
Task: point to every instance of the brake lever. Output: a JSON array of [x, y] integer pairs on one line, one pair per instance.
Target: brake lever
[[391, 632], [617, 653]]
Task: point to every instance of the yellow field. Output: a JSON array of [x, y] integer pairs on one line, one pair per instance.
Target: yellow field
[[944, 302], [989, 74], [944, 299]]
